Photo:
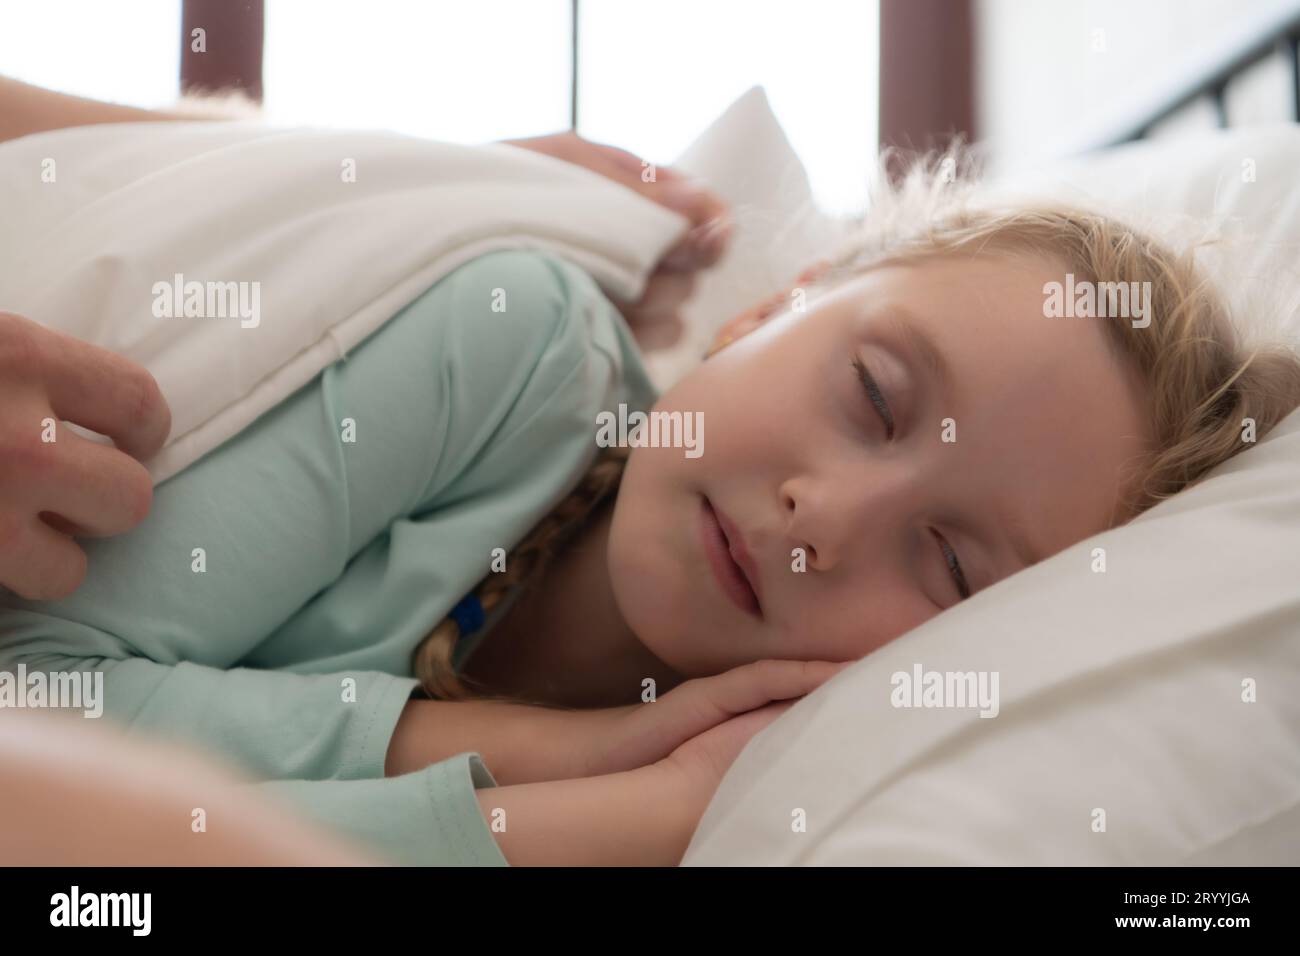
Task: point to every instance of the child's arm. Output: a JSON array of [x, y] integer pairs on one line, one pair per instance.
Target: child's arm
[[634, 818], [642, 817], [450, 814], [520, 743], [524, 744], [269, 724]]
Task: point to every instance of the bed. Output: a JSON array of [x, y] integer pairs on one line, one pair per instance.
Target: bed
[[1149, 714]]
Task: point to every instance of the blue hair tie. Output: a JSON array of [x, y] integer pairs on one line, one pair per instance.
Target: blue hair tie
[[468, 614]]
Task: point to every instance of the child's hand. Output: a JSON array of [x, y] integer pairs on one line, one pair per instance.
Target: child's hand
[[700, 764], [647, 816], [624, 738]]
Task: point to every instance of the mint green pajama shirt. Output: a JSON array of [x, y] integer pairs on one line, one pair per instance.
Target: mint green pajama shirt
[[325, 562]]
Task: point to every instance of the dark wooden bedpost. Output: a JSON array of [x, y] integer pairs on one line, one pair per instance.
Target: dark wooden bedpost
[[232, 37], [927, 72]]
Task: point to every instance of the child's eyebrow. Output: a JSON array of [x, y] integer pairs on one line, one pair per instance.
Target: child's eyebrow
[[901, 327]]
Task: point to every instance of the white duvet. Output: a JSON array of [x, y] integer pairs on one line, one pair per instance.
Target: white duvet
[[236, 261]]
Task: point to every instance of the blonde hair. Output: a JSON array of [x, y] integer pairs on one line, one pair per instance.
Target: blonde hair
[[1199, 380], [433, 661]]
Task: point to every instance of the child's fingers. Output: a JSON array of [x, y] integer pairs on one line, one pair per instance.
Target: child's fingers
[[651, 731], [706, 702], [753, 685]]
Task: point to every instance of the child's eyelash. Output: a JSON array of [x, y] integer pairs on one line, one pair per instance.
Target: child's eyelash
[[954, 566], [877, 400], [875, 397]]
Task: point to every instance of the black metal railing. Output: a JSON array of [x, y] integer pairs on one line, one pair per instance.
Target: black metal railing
[[1282, 35]]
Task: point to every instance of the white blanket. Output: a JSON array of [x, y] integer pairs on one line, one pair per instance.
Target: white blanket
[[327, 235]]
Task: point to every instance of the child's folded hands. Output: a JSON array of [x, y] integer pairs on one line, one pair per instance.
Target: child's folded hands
[[525, 743], [624, 738]]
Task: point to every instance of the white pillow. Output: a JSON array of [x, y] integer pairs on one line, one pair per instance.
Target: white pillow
[[1121, 693], [745, 158], [1238, 187]]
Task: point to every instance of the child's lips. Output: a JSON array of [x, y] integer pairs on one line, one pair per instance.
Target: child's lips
[[730, 559], [740, 551]]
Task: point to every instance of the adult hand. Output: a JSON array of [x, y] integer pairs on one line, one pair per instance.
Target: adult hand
[[654, 318], [53, 483]]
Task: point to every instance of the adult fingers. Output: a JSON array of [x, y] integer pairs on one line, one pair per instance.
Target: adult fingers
[[90, 385], [665, 292], [37, 562], [700, 248], [679, 191], [654, 318], [655, 331], [94, 487], [711, 230], [709, 214]]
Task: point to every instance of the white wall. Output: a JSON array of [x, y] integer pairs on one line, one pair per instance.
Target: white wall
[[1052, 75]]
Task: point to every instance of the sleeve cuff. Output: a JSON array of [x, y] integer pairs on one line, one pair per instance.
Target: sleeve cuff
[[427, 818], [367, 748], [451, 786]]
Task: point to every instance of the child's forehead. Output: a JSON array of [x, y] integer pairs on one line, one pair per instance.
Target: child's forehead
[[992, 277]]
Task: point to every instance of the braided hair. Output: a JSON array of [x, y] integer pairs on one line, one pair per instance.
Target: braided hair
[[433, 658]]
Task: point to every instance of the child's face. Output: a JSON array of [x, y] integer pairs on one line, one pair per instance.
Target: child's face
[[1040, 417]]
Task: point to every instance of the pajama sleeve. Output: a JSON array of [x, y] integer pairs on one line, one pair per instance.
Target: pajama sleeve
[[268, 724], [427, 818], [329, 730]]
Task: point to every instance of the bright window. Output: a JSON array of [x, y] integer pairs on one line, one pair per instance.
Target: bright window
[[459, 71], [653, 75], [124, 52]]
